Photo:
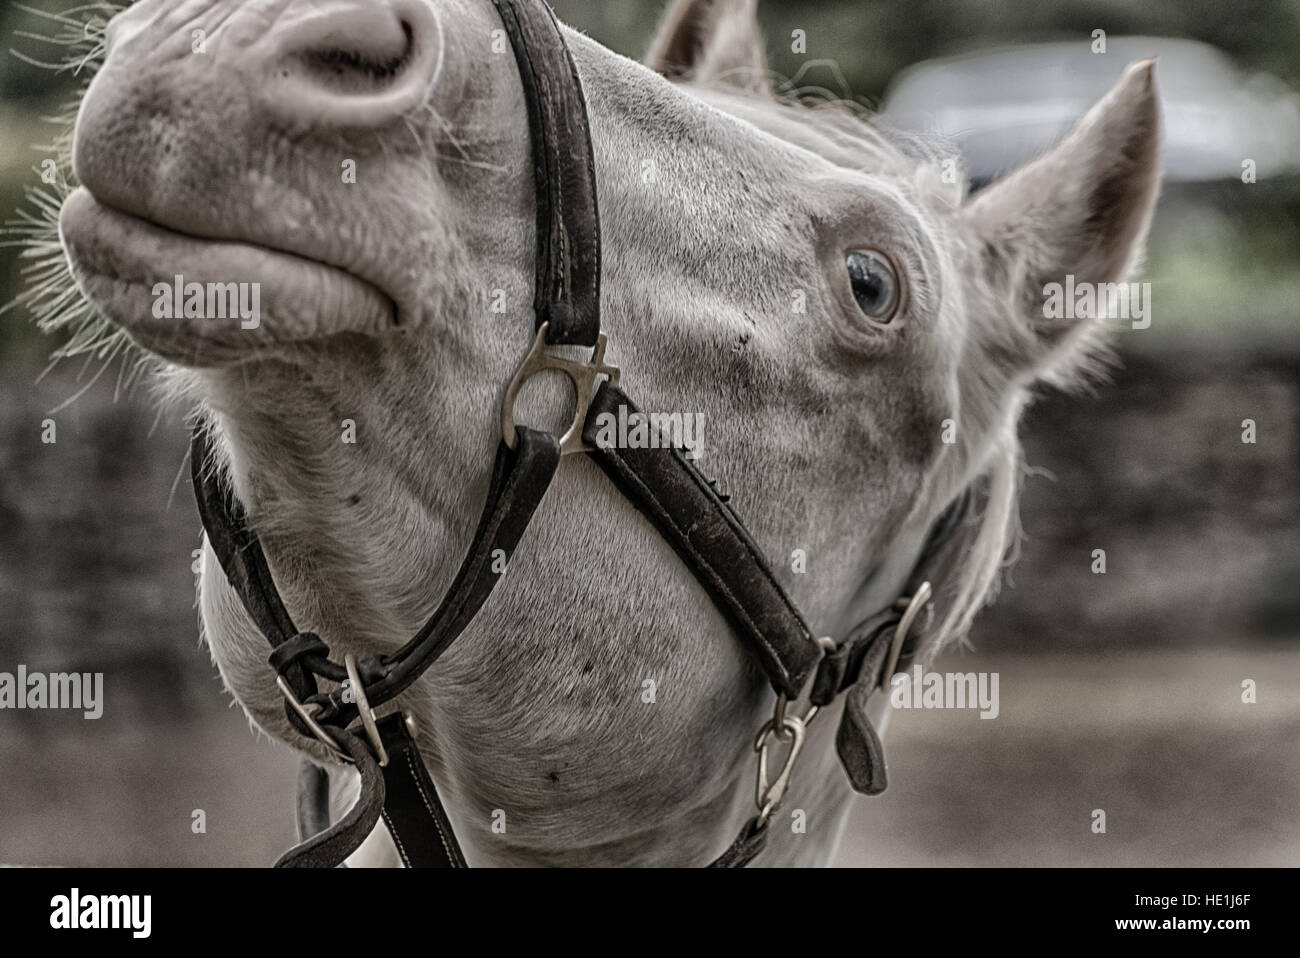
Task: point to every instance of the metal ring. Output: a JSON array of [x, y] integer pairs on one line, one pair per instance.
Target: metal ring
[[364, 710], [309, 718], [583, 376]]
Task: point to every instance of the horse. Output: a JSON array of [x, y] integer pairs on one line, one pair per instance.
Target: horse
[[856, 332]]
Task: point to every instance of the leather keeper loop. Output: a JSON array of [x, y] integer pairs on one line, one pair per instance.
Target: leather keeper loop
[[289, 652], [829, 678], [334, 705], [373, 669]]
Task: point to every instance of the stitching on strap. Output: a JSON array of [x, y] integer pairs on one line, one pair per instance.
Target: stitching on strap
[[410, 763], [397, 839]]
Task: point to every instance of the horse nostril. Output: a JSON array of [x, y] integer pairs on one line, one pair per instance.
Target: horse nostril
[[358, 65], [353, 65]]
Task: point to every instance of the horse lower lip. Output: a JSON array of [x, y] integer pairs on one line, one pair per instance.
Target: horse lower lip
[[119, 260]]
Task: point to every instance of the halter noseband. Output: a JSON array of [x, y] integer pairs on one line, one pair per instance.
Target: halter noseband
[[663, 484]]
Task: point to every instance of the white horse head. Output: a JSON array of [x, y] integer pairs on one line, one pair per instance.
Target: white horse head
[[859, 335]]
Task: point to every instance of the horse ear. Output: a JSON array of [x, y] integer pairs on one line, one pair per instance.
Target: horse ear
[[713, 41], [1080, 210]]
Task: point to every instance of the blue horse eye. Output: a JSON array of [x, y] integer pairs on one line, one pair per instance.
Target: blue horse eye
[[874, 283]]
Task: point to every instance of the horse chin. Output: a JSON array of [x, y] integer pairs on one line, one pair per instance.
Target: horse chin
[[208, 302]]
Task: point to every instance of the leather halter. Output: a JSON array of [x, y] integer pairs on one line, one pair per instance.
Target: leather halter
[[663, 484]]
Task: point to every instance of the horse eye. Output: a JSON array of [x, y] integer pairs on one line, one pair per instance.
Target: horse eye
[[874, 282]]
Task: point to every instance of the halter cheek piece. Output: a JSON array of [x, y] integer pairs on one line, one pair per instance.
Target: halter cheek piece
[[665, 486]]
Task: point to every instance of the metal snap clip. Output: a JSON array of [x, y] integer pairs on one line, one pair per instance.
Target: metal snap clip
[[768, 794]]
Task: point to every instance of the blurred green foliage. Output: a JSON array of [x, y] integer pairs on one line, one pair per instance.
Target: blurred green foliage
[[1240, 243]]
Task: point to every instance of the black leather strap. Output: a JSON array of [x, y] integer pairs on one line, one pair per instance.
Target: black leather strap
[[313, 806], [409, 803], [567, 293], [751, 840], [841, 669], [237, 548], [240, 554], [329, 848], [858, 664], [520, 478], [413, 810], [683, 505], [858, 745]]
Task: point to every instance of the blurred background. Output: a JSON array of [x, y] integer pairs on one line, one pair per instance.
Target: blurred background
[[1120, 691]]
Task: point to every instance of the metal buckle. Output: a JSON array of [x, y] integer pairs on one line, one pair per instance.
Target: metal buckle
[[367, 714], [365, 711], [309, 717], [582, 375], [914, 606]]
